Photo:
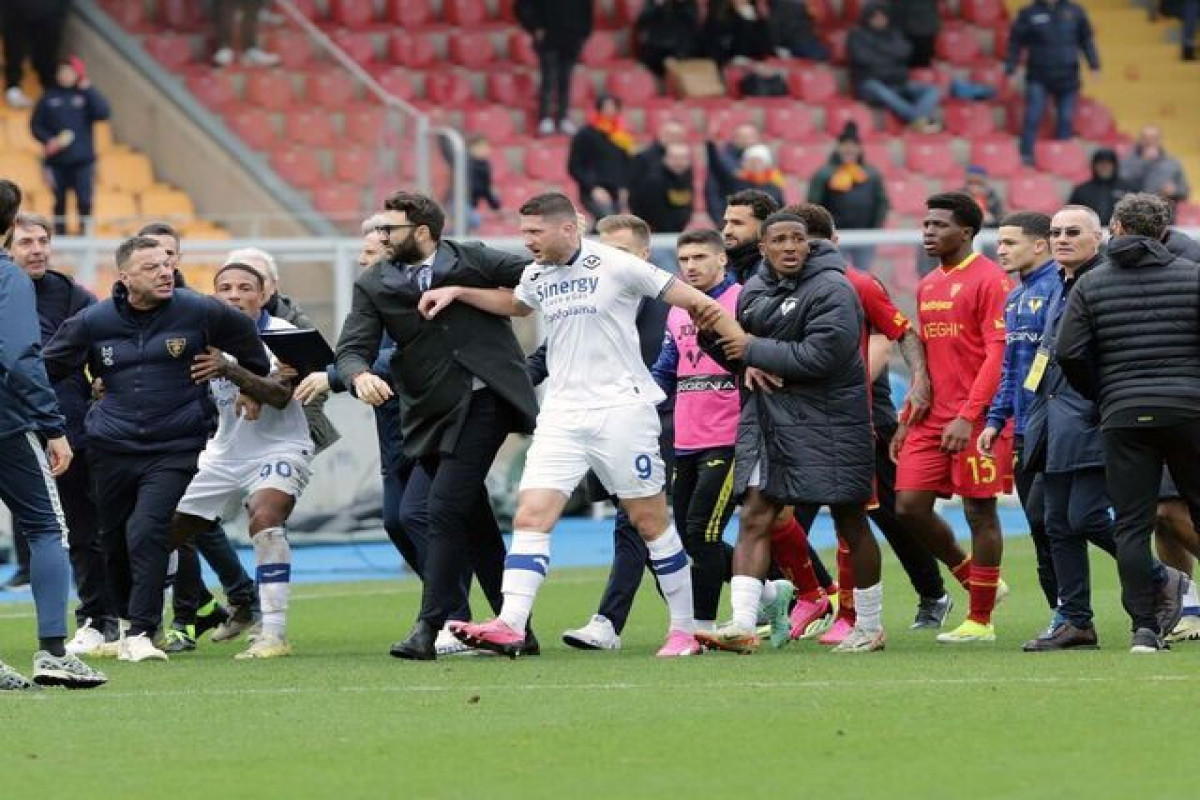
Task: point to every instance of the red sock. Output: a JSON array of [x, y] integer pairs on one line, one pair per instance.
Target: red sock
[[789, 549], [963, 573], [984, 582], [846, 584]]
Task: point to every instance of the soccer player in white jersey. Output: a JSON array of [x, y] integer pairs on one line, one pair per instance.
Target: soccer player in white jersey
[[260, 453], [598, 411]]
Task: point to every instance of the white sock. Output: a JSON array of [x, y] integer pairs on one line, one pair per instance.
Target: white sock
[[744, 594], [273, 556], [769, 593], [674, 572], [524, 570], [868, 605], [706, 625]]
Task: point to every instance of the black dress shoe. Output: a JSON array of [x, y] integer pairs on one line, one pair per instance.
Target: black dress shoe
[[419, 646], [531, 648], [1065, 637]]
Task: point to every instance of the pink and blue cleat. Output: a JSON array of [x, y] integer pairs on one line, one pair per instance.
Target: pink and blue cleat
[[838, 633], [494, 635], [808, 615], [680, 643]]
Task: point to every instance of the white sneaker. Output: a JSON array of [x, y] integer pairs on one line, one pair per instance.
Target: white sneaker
[[223, 57], [86, 640], [568, 128], [17, 98], [257, 57], [140, 648], [596, 635], [265, 646], [545, 127], [447, 644]]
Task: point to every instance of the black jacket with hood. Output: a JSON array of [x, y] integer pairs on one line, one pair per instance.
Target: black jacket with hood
[[880, 55], [1101, 194]]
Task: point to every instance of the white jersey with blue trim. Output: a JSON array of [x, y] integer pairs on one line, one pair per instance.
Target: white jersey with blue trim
[[275, 431], [589, 307]]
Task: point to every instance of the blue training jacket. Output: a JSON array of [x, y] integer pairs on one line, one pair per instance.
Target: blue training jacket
[[1025, 321], [27, 401]]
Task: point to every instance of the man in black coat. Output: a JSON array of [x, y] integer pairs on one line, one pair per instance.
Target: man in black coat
[[664, 196], [1105, 188], [559, 29], [600, 158], [879, 57], [1130, 339], [462, 386]]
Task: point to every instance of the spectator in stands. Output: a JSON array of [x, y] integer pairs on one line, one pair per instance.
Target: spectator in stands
[[62, 121], [736, 29], [853, 192], [33, 28], [744, 136], [1149, 169], [1054, 32], [793, 31], [756, 171], [879, 54], [600, 157], [984, 195], [252, 55], [559, 29], [479, 176], [920, 23], [665, 197], [669, 132], [1106, 187], [664, 30]]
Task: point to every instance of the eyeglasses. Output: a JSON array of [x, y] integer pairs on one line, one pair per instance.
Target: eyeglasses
[[1066, 233], [386, 230]]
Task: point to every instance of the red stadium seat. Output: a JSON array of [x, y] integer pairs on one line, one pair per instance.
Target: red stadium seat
[[907, 196], [413, 51], [310, 126], [352, 13], [354, 165], [128, 16], [1034, 192], [801, 161], [1093, 120], [633, 86], [813, 84], [255, 127], [838, 113], [339, 200], [986, 13], [397, 81], [512, 89], [213, 88], [958, 45], [182, 15], [546, 162], [1065, 159], [626, 12], [722, 121], [270, 89], [970, 120], [410, 13], [881, 156], [495, 122], [851, 11], [656, 117], [513, 193], [1187, 215], [992, 74], [789, 123], [298, 165], [583, 93], [172, 50], [601, 48], [520, 49], [471, 49], [822, 13], [931, 156], [446, 88], [330, 88], [364, 123], [358, 45], [292, 47], [997, 155], [836, 40], [465, 13]]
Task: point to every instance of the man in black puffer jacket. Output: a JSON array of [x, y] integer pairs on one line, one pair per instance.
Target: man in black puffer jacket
[[1130, 339]]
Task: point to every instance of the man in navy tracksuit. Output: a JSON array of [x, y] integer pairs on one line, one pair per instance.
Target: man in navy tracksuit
[[1054, 32], [147, 431], [33, 451], [58, 299], [1023, 247]]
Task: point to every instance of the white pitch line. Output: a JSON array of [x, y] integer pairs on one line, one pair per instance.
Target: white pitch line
[[624, 687]]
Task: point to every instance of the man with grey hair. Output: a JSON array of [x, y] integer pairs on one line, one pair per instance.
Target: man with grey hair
[[1149, 168], [1130, 340]]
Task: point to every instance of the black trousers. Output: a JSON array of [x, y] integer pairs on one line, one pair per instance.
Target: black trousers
[[1031, 492], [1134, 472], [139, 494], [77, 178], [556, 61], [1077, 513], [405, 512], [36, 35], [190, 594], [463, 533], [703, 504]]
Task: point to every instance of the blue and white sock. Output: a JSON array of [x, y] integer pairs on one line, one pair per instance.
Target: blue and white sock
[[1191, 601], [525, 568], [673, 570], [273, 555]]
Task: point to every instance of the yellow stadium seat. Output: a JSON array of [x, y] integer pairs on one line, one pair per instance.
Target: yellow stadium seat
[[19, 137], [199, 276], [23, 169], [163, 201], [203, 229], [103, 137], [129, 171], [114, 207]]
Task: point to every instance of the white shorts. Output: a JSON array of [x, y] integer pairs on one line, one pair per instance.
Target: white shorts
[[620, 444], [218, 482]]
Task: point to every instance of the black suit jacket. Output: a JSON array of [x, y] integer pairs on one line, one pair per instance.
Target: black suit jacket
[[436, 360]]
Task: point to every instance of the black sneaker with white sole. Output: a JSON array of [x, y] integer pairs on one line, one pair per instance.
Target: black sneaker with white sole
[[1147, 641], [66, 671], [1169, 606], [932, 612]]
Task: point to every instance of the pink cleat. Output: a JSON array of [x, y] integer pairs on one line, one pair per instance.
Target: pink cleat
[[838, 633], [493, 635], [807, 612], [680, 643]]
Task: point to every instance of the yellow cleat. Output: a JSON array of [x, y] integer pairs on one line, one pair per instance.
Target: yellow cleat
[[969, 631], [266, 647]]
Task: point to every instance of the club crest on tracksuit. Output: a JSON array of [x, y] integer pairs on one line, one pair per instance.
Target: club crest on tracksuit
[[176, 347]]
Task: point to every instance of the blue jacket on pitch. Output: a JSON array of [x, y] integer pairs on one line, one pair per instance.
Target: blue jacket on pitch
[[1063, 433], [1025, 321], [27, 401], [1054, 32], [69, 109], [150, 403], [58, 299]]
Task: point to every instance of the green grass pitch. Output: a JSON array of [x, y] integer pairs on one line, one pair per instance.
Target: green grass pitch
[[340, 719]]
